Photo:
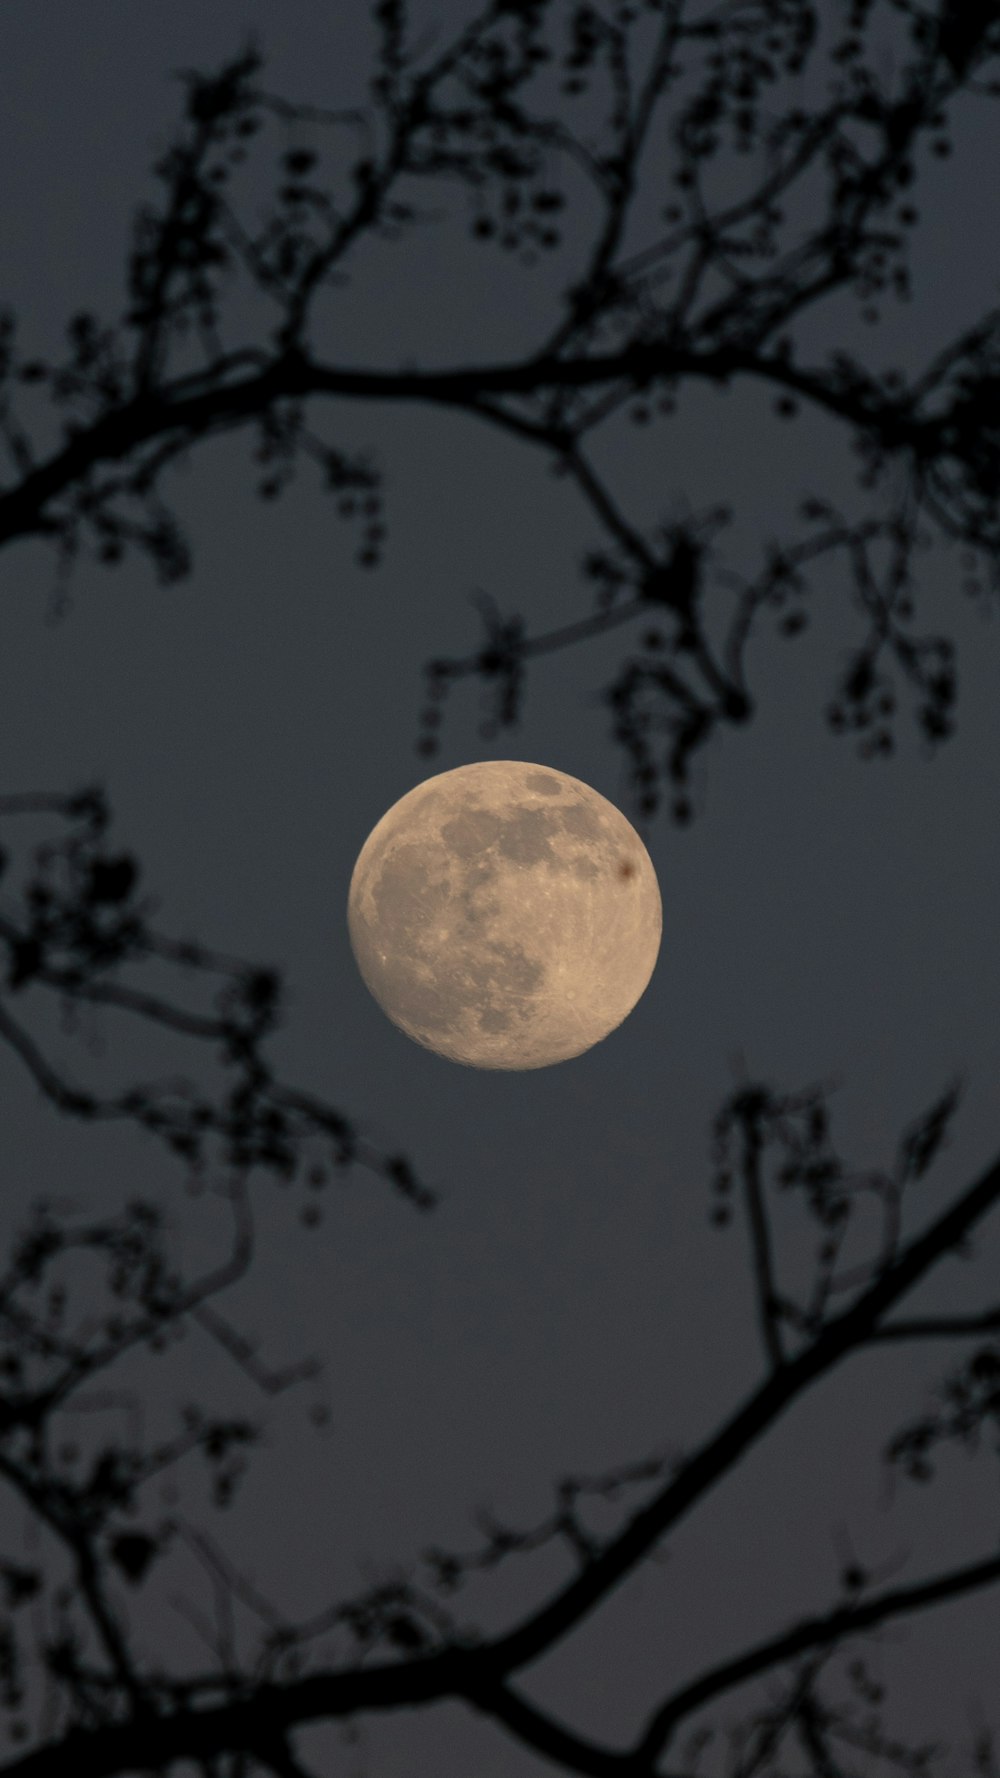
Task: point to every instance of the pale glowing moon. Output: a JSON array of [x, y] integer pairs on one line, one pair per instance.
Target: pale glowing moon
[[505, 915]]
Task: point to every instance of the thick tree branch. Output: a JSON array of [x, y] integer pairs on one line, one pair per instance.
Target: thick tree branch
[[935, 1327], [760, 1240], [538, 1729], [195, 413], [841, 1336], [267, 1714], [818, 1632]]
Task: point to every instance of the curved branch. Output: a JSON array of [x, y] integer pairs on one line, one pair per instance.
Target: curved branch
[[768, 1308], [848, 1332], [537, 1729], [178, 409], [934, 1327], [819, 1632], [63, 1096], [259, 1720]]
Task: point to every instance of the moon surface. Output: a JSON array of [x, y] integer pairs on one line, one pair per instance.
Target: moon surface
[[505, 915]]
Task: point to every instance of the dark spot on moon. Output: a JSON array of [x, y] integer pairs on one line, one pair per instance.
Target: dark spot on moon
[[471, 832], [523, 835], [476, 878], [406, 897], [494, 1018], [510, 969], [526, 838], [506, 978], [429, 957], [581, 822], [543, 784], [627, 870], [420, 1004]]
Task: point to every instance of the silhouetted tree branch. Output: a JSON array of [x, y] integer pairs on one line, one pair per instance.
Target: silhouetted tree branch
[[250, 1709], [710, 293], [77, 928]]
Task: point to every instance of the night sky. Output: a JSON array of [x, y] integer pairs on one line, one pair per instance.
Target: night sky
[[568, 1306]]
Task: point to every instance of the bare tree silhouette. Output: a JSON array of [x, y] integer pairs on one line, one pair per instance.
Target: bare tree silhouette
[[772, 208]]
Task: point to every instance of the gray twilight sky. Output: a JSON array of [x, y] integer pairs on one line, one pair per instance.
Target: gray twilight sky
[[567, 1307]]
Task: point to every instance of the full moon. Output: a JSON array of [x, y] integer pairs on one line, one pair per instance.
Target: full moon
[[505, 915]]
